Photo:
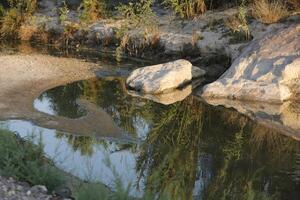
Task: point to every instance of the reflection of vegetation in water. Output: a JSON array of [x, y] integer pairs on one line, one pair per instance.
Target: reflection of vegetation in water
[[112, 97], [86, 144], [252, 164], [107, 94], [63, 100], [170, 160], [247, 160]]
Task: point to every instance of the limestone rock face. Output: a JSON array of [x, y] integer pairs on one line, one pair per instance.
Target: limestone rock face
[[163, 77], [268, 70]]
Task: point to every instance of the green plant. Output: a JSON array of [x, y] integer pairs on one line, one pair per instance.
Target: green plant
[[24, 7], [26, 161], [139, 16], [187, 8], [11, 22], [93, 10], [2, 11], [92, 192], [12, 19], [239, 25], [63, 12], [138, 13]]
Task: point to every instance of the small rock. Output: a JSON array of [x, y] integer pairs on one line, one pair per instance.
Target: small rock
[[28, 193], [39, 189], [197, 72]]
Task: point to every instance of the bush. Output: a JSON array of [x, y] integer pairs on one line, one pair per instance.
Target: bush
[[12, 19], [10, 24], [269, 12], [239, 26], [187, 9], [93, 10]]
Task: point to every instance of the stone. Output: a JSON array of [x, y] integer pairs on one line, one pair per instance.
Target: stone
[[39, 189], [162, 78], [268, 70], [197, 72]]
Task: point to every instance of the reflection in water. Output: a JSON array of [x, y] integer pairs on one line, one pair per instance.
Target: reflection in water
[[189, 149]]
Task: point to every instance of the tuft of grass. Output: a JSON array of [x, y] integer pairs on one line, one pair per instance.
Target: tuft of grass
[[269, 12], [25, 161], [195, 37]]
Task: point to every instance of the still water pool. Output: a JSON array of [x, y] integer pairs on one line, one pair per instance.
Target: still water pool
[[186, 150]]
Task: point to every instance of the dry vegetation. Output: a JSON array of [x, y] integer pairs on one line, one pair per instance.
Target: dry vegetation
[[269, 12]]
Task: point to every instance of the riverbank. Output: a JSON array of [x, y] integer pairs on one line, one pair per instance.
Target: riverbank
[[214, 37]]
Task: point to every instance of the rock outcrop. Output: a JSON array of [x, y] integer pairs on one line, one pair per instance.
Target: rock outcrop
[[163, 78], [268, 70]]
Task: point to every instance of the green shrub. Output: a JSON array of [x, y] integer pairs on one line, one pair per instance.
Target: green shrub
[[238, 25], [11, 23], [93, 10], [63, 13], [25, 161], [187, 8], [140, 16], [12, 19], [24, 7]]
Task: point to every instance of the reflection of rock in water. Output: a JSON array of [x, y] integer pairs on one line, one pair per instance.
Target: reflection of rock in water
[[165, 98], [24, 77], [284, 118], [171, 97]]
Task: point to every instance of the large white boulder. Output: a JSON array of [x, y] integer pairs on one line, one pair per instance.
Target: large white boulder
[[268, 70], [163, 78]]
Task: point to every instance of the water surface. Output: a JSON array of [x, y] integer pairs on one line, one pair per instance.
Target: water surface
[[185, 150]]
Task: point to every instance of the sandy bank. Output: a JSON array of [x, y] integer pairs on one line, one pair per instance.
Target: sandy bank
[[24, 77]]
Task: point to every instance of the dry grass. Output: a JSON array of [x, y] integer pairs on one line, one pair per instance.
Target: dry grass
[[154, 38], [295, 4], [269, 12], [27, 32], [195, 37]]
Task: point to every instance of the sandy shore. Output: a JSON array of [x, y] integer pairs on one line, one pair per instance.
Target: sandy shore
[[24, 77]]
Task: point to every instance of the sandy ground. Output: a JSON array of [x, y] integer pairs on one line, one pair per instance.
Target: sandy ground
[[24, 77]]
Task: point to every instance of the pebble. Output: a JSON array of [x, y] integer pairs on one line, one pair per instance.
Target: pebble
[[11, 189]]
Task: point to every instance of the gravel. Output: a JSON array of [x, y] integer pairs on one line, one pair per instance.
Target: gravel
[[11, 189]]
